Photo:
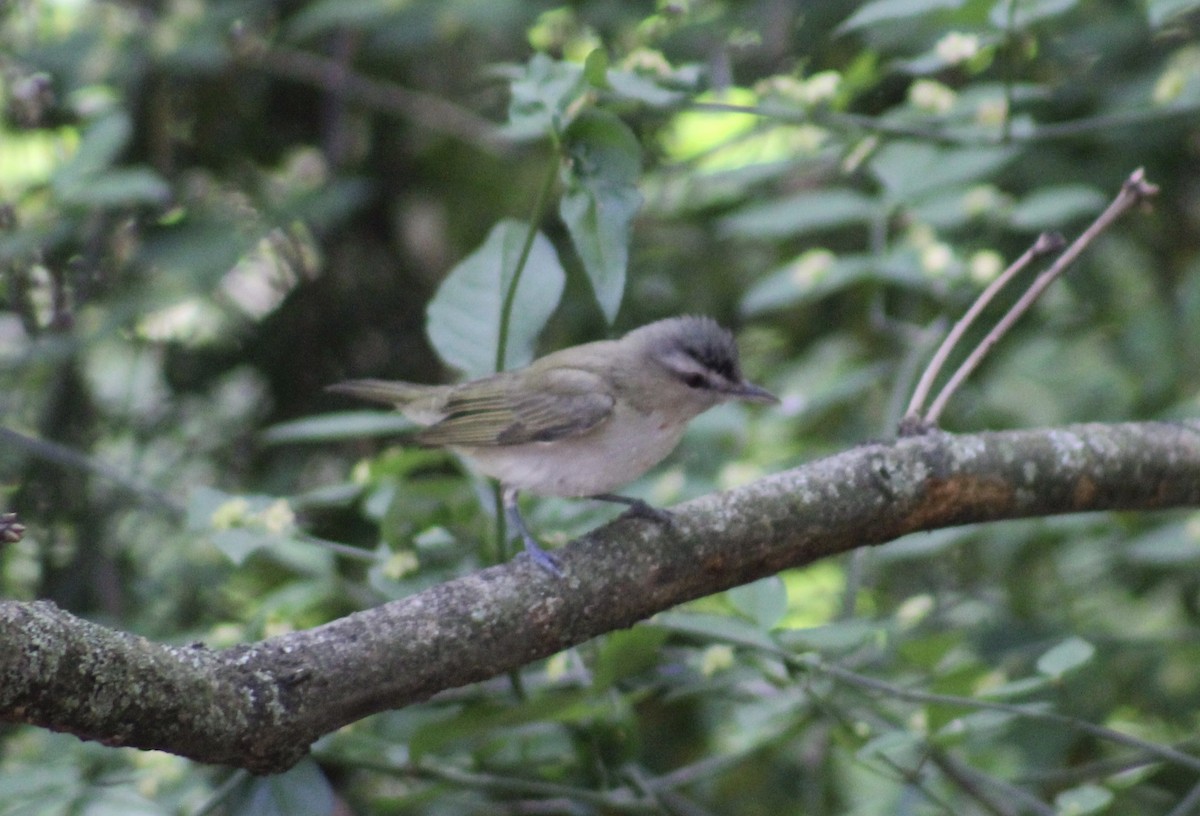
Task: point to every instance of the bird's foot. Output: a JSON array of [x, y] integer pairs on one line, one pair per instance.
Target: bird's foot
[[638, 509], [543, 559], [539, 556]]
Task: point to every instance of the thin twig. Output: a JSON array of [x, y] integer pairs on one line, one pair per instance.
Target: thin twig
[[424, 109], [1189, 804], [1135, 190], [972, 780], [59, 454], [1164, 752], [956, 773], [1046, 243]]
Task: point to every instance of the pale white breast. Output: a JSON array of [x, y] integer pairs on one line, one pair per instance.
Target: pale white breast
[[618, 451]]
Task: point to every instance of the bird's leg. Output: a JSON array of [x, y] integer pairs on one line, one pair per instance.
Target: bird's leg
[[637, 508], [540, 557]]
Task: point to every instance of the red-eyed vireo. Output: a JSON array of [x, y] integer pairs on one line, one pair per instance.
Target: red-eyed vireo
[[580, 422]]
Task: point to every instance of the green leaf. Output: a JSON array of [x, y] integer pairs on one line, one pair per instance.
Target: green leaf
[[116, 188], [818, 273], [301, 791], [240, 543], [882, 11], [908, 170], [595, 68], [799, 214], [89, 179], [332, 427], [463, 319], [1055, 206], [626, 653], [601, 200], [1082, 800], [765, 601], [542, 95], [635, 87], [102, 142], [1065, 657]]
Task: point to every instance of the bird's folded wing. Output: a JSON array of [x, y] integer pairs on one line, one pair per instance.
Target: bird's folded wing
[[562, 403]]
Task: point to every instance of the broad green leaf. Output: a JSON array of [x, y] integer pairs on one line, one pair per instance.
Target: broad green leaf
[[799, 214], [595, 68], [1086, 798], [626, 653], [463, 319], [817, 273], [1065, 657], [542, 95], [882, 11], [638, 88], [117, 187], [765, 601], [240, 543], [600, 200], [89, 179], [1055, 206], [908, 170], [301, 791], [331, 427], [694, 134], [101, 144]]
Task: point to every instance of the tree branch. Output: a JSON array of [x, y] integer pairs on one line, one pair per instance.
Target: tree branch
[[260, 706]]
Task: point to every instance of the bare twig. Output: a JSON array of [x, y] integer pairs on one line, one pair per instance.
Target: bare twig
[[59, 454], [967, 775], [424, 109], [1032, 711], [1046, 243], [1188, 805], [1135, 190]]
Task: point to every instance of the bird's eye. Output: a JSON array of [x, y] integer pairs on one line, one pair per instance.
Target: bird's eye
[[695, 381]]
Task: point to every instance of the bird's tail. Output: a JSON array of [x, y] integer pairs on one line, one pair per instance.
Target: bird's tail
[[391, 391], [421, 403]]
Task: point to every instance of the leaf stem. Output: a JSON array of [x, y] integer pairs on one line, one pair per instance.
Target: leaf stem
[[510, 296]]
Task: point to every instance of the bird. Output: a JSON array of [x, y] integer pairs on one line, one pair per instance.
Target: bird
[[580, 422]]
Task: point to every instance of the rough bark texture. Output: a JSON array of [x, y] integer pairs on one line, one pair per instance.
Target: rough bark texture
[[261, 705]]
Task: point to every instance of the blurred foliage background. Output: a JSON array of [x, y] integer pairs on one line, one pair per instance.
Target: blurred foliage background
[[210, 211]]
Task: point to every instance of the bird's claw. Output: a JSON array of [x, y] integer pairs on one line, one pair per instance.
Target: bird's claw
[[643, 510], [543, 559]]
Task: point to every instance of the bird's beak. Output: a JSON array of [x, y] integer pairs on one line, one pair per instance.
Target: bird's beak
[[752, 393]]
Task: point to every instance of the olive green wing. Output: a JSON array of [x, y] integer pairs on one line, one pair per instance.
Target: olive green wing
[[513, 409]]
